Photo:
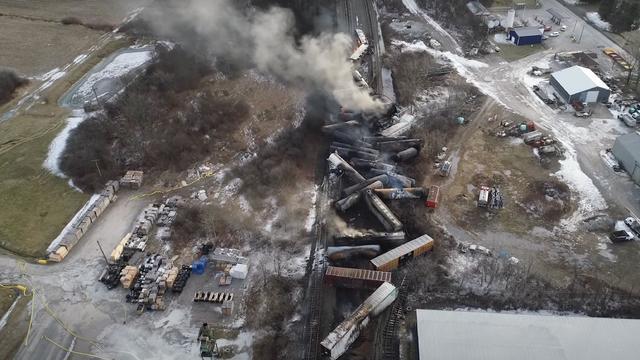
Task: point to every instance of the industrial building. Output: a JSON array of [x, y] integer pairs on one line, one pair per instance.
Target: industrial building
[[525, 35], [449, 335], [626, 149], [579, 84]]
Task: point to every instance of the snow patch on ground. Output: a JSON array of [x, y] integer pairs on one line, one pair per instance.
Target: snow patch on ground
[[59, 143], [120, 65], [466, 67], [595, 19], [296, 267], [590, 200], [242, 343], [605, 251], [415, 46], [229, 190], [311, 218], [80, 58], [460, 264], [501, 38]]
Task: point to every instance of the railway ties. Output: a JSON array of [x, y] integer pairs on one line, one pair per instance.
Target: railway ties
[[390, 341]]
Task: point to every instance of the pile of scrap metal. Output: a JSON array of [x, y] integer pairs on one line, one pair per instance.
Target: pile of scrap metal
[[82, 222], [180, 280], [161, 214], [132, 179], [149, 289], [490, 197], [544, 145], [339, 340], [111, 275]]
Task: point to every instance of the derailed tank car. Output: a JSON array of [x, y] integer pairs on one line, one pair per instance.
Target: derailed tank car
[[339, 340]]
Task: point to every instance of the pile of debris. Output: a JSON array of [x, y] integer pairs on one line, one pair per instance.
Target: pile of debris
[[161, 214], [490, 197], [544, 145], [132, 179], [152, 283], [368, 168]]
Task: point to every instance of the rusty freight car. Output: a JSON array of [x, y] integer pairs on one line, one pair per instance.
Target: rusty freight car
[[356, 278], [394, 258]]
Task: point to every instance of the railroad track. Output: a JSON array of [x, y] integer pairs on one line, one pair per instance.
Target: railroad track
[[311, 334], [387, 331], [374, 36]]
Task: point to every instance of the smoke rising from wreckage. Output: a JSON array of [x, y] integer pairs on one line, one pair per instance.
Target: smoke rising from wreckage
[[265, 39]]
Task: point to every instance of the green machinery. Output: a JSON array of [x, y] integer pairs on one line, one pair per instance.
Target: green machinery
[[208, 346]]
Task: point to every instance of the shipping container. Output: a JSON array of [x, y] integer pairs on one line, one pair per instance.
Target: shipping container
[[393, 259], [432, 197], [339, 340], [356, 278], [532, 136]]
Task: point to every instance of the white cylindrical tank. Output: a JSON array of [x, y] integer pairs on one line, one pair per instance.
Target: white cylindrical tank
[[511, 16]]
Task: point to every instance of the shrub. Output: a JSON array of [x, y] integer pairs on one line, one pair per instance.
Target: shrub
[[9, 82], [100, 26], [71, 20]]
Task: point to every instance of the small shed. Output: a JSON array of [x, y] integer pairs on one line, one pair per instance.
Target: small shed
[[579, 84], [626, 149], [526, 35]]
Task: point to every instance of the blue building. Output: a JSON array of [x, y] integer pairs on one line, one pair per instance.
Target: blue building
[[526, 35]]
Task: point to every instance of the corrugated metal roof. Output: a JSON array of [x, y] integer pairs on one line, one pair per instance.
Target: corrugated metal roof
[[631, 142], [449, 335], [528, 31], [401, 250], [358, 274], [577, 79]]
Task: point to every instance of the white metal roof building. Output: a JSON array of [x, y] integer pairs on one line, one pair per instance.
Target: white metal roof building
[[456, 335], [579, 84]]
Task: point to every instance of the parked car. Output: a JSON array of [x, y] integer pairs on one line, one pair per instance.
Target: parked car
[[563, 28], [547, 28], [554, 34], [545, 37], [627, 119]]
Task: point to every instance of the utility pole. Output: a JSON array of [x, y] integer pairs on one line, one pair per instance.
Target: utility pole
[[97, 166], [581, 32], [103, 254]]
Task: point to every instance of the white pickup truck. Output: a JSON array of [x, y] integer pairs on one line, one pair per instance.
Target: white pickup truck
[[626, 230]]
